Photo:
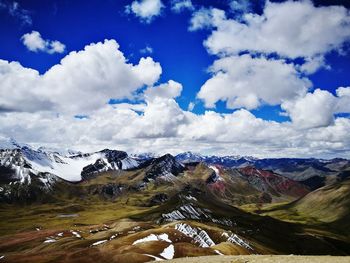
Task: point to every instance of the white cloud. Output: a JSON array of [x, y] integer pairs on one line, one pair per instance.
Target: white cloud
[[20, 88], [256, 58], [56, 47], [146, 10], [160, 125], [301, 29], [317, 109], [34, 42], [179, 6], [313, 64], [244, 81], [83, 81], [164, 127], [161, 119], [171, 89], [343, 104], [343, 91], [314, 110], [206, 18]]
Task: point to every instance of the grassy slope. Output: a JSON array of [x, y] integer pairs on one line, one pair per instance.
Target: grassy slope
[[327, 206], [266, 234]]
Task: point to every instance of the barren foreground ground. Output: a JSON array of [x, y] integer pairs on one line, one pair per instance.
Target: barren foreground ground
[[262, 259]]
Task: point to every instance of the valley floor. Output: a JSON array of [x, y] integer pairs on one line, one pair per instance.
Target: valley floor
[[262, 259]]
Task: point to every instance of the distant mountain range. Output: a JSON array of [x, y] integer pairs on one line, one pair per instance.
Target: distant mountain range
[[74, 165], [22, 163]]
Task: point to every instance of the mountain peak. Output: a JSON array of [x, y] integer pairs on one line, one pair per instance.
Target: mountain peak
[[11, 143]]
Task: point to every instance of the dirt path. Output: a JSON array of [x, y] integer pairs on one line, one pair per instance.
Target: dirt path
[[263, 259]]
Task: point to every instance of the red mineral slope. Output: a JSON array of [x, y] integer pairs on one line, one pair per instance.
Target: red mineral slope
[[276, 184]]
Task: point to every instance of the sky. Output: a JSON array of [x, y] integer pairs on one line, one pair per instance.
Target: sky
[[226, 77]]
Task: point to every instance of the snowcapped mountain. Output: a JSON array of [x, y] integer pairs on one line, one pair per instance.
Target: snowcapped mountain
[[10, 143], [62, 152], [228, 161], [190, 157], [144, 156], [21, 161], [165, 166]]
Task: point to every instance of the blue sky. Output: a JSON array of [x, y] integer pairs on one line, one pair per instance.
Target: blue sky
[[181, 52]]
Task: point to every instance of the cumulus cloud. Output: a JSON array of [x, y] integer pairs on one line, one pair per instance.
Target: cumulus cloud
[[244, 81], [20, 88], [302, 29], [162, 126], [313, 64], [343, 104], [314, 110], [343, 100], [317, 109], [146, 10], [82, 82], [56, 47], [206, 18], [34, 42], [171, 89], [257, 58], [179, 6]]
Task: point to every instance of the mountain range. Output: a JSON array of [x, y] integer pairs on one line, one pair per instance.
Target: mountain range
[[114, 207]]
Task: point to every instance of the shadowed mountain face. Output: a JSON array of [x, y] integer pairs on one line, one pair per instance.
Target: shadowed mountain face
[[128, 208]]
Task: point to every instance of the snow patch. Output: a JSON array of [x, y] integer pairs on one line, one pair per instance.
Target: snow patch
[[153, 237], [200, 236], [168, 253], [99, 242], [67, 168], [50, 240], [218, 252], [216, 170], [234, 239], [76, 234], [186, 211], [129, 163], [190, 198], [154, 257], [112, 237]]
